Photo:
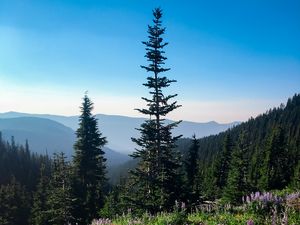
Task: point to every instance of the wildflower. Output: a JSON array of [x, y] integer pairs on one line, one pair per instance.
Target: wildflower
[[293, 196], [250, 222], [183, 206], [102, 222], [248, 199]]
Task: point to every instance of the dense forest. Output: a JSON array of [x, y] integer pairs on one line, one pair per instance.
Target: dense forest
[[169, 174], [260, 154], [269, 144]]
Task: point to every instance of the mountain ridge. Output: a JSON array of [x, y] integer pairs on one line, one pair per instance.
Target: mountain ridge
[[46, 136], [13, 114], [119, 129]]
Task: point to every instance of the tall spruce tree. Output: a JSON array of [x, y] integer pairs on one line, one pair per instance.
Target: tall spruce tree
[[237, 185], [296, 171], [276, 171], [60, 199], [191, 167], [89, 166], [221, 167], [155, 178], [14, 204], [40, 198]]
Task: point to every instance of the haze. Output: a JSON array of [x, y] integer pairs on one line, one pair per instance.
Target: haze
[[232, 59]]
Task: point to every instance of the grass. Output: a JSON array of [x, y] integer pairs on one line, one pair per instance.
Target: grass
[[258, 208]]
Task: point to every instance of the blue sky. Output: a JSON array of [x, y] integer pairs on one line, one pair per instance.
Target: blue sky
[[232, 59]]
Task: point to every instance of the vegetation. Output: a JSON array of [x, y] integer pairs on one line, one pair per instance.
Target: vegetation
[[257, 208], [249, 174], [88, 166], [155, 179]]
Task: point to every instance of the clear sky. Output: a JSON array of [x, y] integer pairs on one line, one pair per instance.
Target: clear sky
[[232, 59]]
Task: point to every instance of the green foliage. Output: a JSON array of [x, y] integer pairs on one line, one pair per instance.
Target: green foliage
[[260, 208], [89, 166], [156, 180], [276, 170], [295, 184], [40, 207], [177, 218], [237, 186], [222, 218], [60, 202], [19, 177], [14, 204], [17, 161], [191, 167], [114, 202], [271, 158], [222, 165]]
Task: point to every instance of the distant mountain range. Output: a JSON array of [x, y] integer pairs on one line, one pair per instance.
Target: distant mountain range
[[53, 133], [48, 136], [56, 133]]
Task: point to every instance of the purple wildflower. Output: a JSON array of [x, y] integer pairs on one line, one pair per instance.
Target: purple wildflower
[[250, 222], [102, 222]]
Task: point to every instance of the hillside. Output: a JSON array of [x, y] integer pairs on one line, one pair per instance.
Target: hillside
[[48, 136], [264, 153], [258, 130]]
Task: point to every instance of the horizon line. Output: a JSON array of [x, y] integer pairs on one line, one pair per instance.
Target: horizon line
[[136, 117]]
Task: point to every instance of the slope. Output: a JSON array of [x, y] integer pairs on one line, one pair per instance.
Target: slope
[[48, 136]]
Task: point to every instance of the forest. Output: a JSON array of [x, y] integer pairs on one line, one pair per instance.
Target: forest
[[249, 174]]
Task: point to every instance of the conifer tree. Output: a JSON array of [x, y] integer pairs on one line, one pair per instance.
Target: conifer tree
[[296, 177], [221, 167], [276, 171], [60, 199], [296, 170], [155, 178], [191, 161], [236, 185], [191, 167], [40, 207], [14, 204], [208, 186], [89, 166]]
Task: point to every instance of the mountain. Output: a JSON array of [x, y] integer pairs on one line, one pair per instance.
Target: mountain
[[48, 136], [120, 129]]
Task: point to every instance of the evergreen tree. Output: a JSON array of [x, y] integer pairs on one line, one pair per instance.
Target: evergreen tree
[[39, 209], [89, 166], [114, 202], [295, 181], [14, 204], [155, 178], [60, 199], [296, 177], [208, 187], [221, 167], [19, 183], [191, 161], [276, 171], [237, 185], [191, 167]]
